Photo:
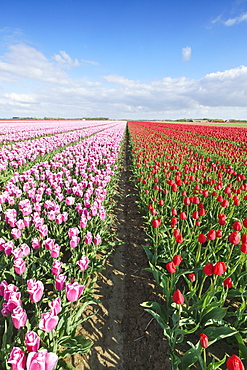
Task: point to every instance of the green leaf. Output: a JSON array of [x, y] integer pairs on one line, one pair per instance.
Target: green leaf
[[189, 358], [157, 307], [216, 333], [215, 365], [78, 344], [166, 328], [148, 253], [216, 314], [62, 365]]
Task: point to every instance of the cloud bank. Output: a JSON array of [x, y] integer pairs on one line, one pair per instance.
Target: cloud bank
[[33, 85]]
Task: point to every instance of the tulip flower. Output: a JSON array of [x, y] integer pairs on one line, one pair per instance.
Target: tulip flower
[[14, 301], [177, 259], [60, 282], [74, 241], [74, 291], [202, 238], [234, 363], [156, 223], [17, 359], [234, 238], [228, 283], [83, 263], [42, 360], [97, 239], [19, 266], [178, 297], [32, 341], [56, 268], [192, 277], [35, 290], [204, 340], [19, 317], [208, 269], [219, 268], [170, 266], [88, 238], [49, 321]]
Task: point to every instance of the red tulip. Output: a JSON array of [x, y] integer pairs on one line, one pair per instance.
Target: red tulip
[[211, 235], [208, 269], [234, 363], [156, 222], [237, 226], [192, 277], [170, 266], [228, 283], [204, 340], [177, 259], [234, 238], [202, 238], [178, 297], [219, 268]]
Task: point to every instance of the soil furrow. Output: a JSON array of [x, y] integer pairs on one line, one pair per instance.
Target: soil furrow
[[125, 336]]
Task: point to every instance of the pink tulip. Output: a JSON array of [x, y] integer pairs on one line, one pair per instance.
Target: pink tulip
[[43, 230], [8, 248], [20, 224], [55, 305], [60, 282], [32, 341], [83, 222], [25, 250], [42, 360], [14, 301], [74, 291], [49, 243], [19, 317], [56, 267], [55, 251], [83, 263], [70, 201], [48, 321], [74, 241], [19, 266], [35, 289], [74, 231], [88, 238], [97, 239], [17, 359], [35, 243]]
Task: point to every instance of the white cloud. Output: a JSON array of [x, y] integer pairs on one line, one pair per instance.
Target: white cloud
[[35, 86], [236, 20], [23, 61], [90, 62], [230, 21], [64, 60], [186, 53]]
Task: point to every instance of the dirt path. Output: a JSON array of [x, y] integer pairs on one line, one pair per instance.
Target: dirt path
[[125, 336]]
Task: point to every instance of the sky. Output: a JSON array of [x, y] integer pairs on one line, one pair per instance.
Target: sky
[[122, 59]]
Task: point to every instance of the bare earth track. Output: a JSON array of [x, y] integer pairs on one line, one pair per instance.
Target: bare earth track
[[125, 336]]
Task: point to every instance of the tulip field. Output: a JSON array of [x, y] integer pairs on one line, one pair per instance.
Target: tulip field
[[193, 194], [57, 182]]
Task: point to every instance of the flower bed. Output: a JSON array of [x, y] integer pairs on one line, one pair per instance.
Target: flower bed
[[193, 193], [54, 223]]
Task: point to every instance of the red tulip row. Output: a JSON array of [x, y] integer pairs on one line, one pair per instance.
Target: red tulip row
[[193, 193]]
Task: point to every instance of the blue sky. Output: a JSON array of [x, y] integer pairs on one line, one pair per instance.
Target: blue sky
[[138, 59]]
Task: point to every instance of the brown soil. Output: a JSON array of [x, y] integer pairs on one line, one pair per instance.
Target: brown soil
[[125, 336]]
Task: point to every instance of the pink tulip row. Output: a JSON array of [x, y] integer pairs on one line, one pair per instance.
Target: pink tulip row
[[22, 130], [24, 152], [54, 207]]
